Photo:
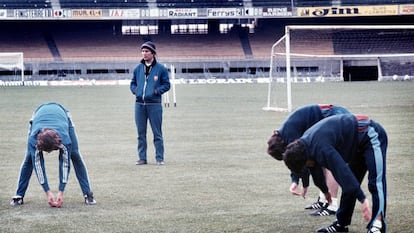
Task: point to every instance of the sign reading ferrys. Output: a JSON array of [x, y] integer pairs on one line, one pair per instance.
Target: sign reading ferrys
[[87, 13], [229, 12], [379, 10]]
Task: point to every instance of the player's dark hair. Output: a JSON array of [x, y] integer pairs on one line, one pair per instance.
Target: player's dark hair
[[48, 140], [276, 146], [295, 157]]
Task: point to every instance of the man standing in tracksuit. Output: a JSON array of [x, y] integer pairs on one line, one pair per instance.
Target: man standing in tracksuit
[[149, 82], [349, 146], [51, 128], [293, 128]]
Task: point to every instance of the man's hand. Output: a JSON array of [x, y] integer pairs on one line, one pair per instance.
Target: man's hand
[[51, 199], [59, 199], [294, 189], [366, 210]]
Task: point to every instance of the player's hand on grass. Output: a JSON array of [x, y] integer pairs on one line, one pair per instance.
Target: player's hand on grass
[[294, 189], [366, 210], [59, 199]]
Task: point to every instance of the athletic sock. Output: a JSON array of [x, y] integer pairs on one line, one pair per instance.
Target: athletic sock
[[334, 205], [322, 197], [377, 223]]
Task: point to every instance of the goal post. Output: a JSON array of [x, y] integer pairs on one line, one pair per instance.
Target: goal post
[[310, 53], [13, 61], [166, 96]]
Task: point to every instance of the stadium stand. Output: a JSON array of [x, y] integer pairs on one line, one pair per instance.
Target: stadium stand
[[305, 3], [271, 3], [93, 43], [262, 40], [199, 3], [24, 4], [79, 48], [384, 41], [199, 47], [374, 2], [103, 3], [23, 38], [94, 46], [311, 43]]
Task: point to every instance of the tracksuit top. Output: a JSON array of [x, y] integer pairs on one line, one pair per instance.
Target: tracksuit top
[[302, 119], [53, 116], [331, 143], [143, 85]]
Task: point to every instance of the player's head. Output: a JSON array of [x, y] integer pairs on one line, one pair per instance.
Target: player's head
[[276, 146], [48, 140], [295, 157], [150, 46]]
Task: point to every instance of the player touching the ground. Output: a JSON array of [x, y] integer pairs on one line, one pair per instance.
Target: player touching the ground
[[293, 128], [149, 82], [349, 146], [51, 128]]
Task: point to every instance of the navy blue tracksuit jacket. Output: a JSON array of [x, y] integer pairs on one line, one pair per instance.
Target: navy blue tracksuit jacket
[[302, 119], [349, 146]]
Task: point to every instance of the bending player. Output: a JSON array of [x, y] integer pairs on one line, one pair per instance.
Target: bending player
[[293, 128], [348, 146], [51, 128]]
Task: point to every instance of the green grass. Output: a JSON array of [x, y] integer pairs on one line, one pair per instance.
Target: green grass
[[217, 177]]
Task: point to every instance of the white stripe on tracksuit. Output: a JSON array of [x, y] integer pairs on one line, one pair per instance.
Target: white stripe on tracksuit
[[376, 147], [65, 165], [38, 166]]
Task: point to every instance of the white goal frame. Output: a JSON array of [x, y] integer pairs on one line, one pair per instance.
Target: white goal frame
[[287, 56], [10, 61]]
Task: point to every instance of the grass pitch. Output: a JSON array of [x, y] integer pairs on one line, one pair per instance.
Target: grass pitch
[[217, 177]]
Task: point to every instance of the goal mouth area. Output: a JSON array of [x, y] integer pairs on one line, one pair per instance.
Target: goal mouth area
[[315, 53]]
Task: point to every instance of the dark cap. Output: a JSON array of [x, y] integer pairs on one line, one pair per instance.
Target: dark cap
[[150, 45]]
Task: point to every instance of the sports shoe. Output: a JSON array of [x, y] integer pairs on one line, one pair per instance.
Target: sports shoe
[[334, 227], [376, 227], [141, 162], [323, 212], [89, 200], [17, 200], [316, 205], [374, 230], [160, 163]]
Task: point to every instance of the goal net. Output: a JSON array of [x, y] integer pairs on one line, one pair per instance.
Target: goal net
[[12, 64], [337, 53]]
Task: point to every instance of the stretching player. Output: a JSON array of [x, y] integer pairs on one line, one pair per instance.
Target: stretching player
[[293, 128], [51, 128], [348, 146]]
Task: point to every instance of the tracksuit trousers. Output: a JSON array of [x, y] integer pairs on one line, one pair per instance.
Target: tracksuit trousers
[[371, 157], [153, 114], [74, 155]]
